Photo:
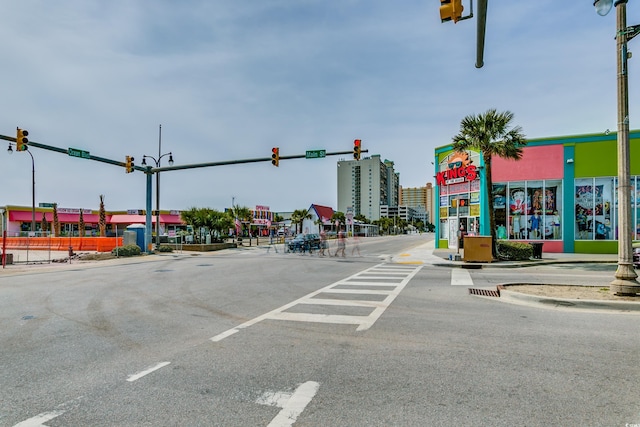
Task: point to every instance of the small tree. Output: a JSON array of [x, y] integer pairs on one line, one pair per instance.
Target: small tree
[[298, 216], [81, 225], [44, 225], [102, 224], [56, 222]]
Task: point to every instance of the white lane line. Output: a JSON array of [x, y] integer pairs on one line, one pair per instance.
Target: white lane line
[[460, 277], [224, 335], [147, 371], [40, 419], [295, 405]]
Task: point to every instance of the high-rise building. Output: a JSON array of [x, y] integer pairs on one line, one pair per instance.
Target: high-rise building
[[419, 198], [364, 185]]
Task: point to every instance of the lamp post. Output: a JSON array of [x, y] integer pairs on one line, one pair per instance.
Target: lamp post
[[157, 162], [625, 282], [33, 188]]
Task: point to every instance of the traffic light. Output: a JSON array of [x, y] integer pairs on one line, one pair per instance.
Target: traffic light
[[451, 10], [129, 164], [275, 157], [356, 149], [21, 139]]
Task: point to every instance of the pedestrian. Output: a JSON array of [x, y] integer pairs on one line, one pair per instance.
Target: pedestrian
[[323, 243], [342, 244], [356, 245]]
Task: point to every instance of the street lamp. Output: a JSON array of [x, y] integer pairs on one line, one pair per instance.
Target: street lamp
[[157, 162], [33, 187], [625, 282]]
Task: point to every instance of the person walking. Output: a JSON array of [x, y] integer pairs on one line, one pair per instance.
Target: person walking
[[323, 243], [356, 245], [342, 244]]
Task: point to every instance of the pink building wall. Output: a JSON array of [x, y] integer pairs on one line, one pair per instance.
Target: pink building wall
[[544, 162]]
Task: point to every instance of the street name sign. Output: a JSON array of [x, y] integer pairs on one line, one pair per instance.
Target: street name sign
[[74, 152], [315, 154]]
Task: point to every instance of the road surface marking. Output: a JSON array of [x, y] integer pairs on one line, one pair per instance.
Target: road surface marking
[[40, 419], [460, 277], [147, 371], [396, 284], [294, 406]]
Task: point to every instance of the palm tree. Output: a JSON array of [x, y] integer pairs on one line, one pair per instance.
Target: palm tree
[[491, 133], [298, 216], [44, 225], [243, 214], [56, 223], [102, 222], [81, 225], [339, 217]]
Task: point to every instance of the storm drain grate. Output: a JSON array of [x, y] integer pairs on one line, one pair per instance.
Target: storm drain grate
[[485, 292]]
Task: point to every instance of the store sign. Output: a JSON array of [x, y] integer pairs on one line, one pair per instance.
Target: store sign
[[457, 174]]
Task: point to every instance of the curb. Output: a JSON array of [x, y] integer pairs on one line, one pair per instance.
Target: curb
[[549, 302]]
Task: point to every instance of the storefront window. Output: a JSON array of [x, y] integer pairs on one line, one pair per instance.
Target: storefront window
[[552, 207], [500, 209], [594, 215], [528, 210], [517, 211]]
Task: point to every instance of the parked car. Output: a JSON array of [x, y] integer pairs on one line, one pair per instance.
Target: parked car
[[304, 243], [636, 257]]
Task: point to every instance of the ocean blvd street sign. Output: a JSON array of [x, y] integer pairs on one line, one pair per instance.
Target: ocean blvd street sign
[[315, 154], [74, 152]]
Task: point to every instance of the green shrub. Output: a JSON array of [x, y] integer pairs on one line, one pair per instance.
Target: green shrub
[[514, 251], [126, 250], [165, 248]]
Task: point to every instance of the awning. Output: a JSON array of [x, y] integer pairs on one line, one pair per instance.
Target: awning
[[142, 219], [127, 219], [25, 216]]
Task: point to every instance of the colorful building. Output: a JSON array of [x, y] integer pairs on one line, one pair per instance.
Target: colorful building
[[16, 220], [562, 193]]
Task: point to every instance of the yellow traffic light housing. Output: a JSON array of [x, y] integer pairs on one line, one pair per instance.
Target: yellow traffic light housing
[[129, 164], [21, 139], [451, 10], [275, 156], [357, 144]]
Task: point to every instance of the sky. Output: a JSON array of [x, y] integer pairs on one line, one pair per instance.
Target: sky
[[228, 80]]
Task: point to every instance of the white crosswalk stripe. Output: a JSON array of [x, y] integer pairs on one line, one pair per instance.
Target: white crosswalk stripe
[[460, 277], [381, 280]]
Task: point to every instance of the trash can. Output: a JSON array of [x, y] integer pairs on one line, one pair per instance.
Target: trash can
[[537, 250], [461, 239]]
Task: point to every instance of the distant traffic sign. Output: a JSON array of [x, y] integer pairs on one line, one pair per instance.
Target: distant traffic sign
[[74, 152], [315, 154]]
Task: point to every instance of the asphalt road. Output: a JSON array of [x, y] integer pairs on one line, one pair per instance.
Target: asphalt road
[[257, 338]]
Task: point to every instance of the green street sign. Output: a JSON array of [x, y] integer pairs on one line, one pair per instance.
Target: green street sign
[[74, 152], [315, 154]]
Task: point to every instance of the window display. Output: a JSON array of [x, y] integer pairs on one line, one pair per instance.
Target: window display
[[528, 210], [593, 208]]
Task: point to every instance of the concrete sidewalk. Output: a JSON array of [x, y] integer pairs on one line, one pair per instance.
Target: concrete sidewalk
[[427, 254]]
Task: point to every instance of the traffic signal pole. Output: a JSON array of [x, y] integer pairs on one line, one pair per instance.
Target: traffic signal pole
[[149, 171], [237, 162]]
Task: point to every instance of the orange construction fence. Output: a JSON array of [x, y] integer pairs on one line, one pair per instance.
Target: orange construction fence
[[94, 244]]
